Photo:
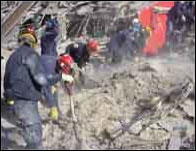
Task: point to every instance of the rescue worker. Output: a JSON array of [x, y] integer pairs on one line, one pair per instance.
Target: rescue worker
[[60, 68], [69, 71], [179, 20], [50, 67], [49, 37], [172, 23], [54, 65], [49, 56], [125, 44], [81, 52], [25, 83], [120, 46], [138, 34], [188, 12], [136, 26]]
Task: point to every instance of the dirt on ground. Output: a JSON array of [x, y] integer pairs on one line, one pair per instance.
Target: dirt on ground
[[109, 105], [142, 103]]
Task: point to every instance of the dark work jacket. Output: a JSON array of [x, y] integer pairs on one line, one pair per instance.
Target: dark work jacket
[[50, 64], [50, 67], [48, 42], [24, 75], [174, 16], [79, 54], [122, 45]]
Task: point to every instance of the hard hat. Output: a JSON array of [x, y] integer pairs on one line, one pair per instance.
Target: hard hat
[[148, 29], [93, 45], [27, 35], [135, 21], [65, 62]]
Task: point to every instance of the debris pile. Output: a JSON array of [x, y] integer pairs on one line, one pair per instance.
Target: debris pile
[[144, 103], [137, 108]]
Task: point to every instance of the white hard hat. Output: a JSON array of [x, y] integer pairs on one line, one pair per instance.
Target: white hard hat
[[135, 20]]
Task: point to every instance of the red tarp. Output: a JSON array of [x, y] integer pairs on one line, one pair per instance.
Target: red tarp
[[157, 22]]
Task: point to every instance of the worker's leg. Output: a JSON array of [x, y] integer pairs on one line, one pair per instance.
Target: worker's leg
[[169, 33], [30, 122], [54, 90], [55, 94]]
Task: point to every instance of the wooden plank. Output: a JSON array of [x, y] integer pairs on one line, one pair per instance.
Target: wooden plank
[[16, 15]]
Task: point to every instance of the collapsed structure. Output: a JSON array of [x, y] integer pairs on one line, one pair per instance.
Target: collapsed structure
[[124, 106]]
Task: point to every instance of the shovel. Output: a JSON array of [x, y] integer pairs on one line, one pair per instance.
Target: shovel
[[69, 87]]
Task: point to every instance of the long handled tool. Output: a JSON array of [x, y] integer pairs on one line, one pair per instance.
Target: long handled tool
[[69, 89], [72, 108], [75, 121]]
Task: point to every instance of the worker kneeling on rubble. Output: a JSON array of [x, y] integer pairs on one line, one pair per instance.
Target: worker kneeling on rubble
[[80, 53], [25, 83], [69, 71], [61, 69]]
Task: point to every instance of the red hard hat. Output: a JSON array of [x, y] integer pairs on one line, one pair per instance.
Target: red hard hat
[[93, 45], [65, 62]]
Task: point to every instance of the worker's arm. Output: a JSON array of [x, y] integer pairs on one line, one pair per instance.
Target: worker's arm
[[54, 78], [36, 70], [46, 91], [52, 71], [6, 84], [6, 80], [84, 60]]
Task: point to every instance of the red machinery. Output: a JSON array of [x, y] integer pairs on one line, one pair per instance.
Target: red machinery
[[157, 22]]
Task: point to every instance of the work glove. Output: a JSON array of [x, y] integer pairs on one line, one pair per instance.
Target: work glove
[[75, 70], [53, 89], [9, 104], [67, 78], [54, 114]]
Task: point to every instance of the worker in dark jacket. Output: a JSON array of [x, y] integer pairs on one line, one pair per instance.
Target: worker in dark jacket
[[127, 43], [180, 18], [49, 37], [25, 82], [81, 52], [188, 11], [51, 71], [49, 55], [174, 23], [124, 45]]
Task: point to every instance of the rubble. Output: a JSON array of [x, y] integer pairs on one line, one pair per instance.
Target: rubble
[[114, 95], [188, 107]]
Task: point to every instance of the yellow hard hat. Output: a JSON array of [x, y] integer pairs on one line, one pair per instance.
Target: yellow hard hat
[[27, 35], [148, 29], [28, 38]]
